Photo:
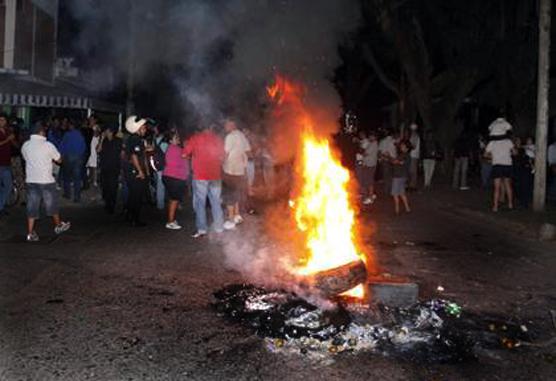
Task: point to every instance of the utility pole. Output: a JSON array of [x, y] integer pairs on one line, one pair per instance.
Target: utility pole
[[130, 106], [539, 193]]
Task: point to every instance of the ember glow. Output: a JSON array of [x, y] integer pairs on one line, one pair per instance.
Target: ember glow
[[321, 206]]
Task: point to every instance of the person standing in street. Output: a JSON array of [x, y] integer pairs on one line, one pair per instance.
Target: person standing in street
[[206, 150], [137, 169], [414, 156], [174, 176], [7, 141], [237, 151], [386, 153], [462, 152], [73, 149], [110, 160], [432, 151], [400, 171], [39, 155], [500, 152], [366, 167], [92, 161]]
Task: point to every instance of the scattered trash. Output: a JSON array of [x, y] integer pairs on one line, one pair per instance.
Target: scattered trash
[[437, 330], [453, 309]]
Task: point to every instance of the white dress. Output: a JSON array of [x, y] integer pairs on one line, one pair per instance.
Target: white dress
[[93, 157]]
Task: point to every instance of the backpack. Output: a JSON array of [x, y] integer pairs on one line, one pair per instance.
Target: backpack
[[158, 159]]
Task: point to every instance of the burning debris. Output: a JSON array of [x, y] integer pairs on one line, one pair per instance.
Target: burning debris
[[433, 331]]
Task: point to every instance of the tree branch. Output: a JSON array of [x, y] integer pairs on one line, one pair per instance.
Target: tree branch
[[371, 59]]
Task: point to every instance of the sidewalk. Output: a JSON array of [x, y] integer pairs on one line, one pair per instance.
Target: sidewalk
[[476, 203]]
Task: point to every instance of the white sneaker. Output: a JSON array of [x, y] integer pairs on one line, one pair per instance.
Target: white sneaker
[[33, 237], [367, 201], [229, 225], [238, 219], [199, 234], [62, 227], [173, 225], [464, 188]]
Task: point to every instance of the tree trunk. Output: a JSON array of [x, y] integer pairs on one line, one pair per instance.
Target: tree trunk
[[539, 194]]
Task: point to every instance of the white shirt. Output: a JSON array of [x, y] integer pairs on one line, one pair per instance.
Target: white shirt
[[236, 147], [415, 141], [551, 154], [93, 157], [370, 155], [38, 154], [387, 146], [501, 151], [499, 127]]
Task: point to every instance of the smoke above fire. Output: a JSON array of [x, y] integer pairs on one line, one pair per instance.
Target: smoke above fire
[[220, 54]]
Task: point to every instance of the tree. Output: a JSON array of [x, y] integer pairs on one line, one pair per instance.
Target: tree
[[539, 195]]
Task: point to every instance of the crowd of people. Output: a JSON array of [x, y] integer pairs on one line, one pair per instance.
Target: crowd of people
[[505, 162], [216, 166], [133, 165]]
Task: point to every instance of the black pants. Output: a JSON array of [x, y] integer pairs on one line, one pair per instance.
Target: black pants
[[137, 192], [109, 180]]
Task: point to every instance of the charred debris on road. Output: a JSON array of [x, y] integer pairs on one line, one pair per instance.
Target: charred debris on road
[[435, 331]]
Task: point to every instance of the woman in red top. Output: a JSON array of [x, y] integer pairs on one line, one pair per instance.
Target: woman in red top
[[175, 176]]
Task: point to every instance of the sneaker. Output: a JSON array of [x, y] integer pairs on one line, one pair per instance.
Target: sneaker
[[229, 225], [219, 231], [367, 201], [199, 234], [33, 237], [62, 227], [464, 188], [238, 219], [173, 225]]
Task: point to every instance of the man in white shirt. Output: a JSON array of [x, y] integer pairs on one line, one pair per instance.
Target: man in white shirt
[[386, 153], [500, 152], [39, 155], [237, 150]]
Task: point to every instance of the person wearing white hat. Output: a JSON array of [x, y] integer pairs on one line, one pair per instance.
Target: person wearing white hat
[[137, 168]]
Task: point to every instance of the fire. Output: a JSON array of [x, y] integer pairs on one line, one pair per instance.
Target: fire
[[321, 207]]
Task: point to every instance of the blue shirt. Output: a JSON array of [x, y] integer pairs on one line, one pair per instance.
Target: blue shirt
[[73, 144]]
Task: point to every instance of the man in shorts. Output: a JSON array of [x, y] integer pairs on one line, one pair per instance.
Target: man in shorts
[[39, 155], [237, 150]]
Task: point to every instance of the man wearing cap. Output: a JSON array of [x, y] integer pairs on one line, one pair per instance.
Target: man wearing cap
[[39, 154], [110, 151], [137, 168]]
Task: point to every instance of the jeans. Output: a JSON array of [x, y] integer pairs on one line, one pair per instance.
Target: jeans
[[460, 172], [212, 189], [73, 173], [6, 184], [160, 191], [45, 192], [428, 170]]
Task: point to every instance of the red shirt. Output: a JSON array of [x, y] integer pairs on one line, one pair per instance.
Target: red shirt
[[5, 149], [207, 153]]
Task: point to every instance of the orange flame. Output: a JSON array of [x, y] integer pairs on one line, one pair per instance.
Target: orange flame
[[321, 208]]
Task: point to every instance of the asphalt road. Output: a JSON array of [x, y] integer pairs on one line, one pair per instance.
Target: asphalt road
[[109, 302]]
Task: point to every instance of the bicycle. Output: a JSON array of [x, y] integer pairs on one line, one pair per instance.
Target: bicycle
[[15, 194]]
